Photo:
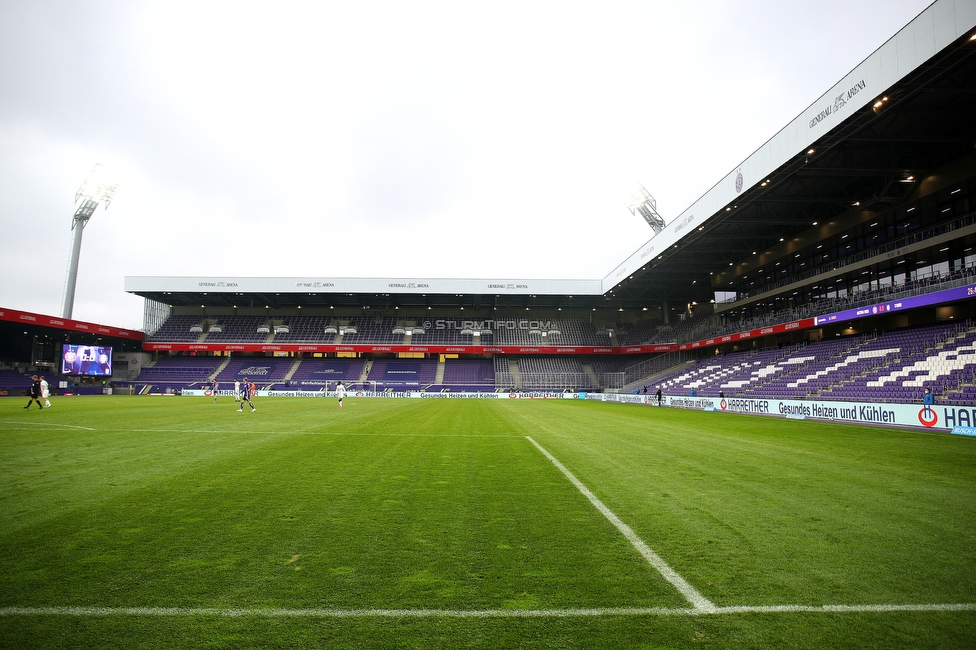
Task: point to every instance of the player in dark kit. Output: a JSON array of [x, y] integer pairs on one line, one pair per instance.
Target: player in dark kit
[[246, 396], [35, 393]]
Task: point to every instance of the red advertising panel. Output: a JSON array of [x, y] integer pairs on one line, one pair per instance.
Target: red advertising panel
[[15, 316], [806, 323], [427, 349]]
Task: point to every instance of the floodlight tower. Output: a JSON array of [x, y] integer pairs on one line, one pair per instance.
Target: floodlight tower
[[98, 187], [641, 202]]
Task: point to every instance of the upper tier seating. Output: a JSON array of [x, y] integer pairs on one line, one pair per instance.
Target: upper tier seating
[[305, 329], [237, 329], [176, 329]]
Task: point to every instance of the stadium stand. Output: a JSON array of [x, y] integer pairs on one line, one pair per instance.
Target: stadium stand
[[174, 373], [892, 367], [844, 368]]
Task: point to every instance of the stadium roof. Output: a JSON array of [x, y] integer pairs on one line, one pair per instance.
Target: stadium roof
[[283, 293], [866, 144], [903, 112]]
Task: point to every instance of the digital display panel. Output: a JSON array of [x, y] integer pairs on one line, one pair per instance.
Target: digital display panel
[[910, 302], [87, 360]]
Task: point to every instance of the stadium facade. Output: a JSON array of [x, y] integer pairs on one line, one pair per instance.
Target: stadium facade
[[854, 220]]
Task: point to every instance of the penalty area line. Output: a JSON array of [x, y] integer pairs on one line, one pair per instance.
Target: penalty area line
[[257, 612], [698, 601]]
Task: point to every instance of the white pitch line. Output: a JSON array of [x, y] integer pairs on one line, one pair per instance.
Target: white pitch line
[[772, 609], [475, 613], [46, 424], [693, 596]]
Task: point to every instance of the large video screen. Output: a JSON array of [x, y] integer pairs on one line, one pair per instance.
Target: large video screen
[[87, 360]]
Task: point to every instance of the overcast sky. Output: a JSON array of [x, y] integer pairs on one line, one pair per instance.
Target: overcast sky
[[405, 140]]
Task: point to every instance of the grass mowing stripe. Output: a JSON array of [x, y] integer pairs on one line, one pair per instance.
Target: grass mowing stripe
[[693, 595], [322, 433], [476, 613]]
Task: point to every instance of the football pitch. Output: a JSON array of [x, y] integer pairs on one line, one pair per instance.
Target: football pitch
[[171, 522]]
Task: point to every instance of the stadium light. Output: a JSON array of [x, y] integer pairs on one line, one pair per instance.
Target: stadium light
[[99, 187], [641, 202]]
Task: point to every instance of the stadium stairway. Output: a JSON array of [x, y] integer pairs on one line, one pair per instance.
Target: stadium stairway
[[516, 375], [291, 371], [594, 380], [955, 338], [219, 369], [439, 375]]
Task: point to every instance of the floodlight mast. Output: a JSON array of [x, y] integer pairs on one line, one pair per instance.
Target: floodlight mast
[[96, 188], [646, 205]]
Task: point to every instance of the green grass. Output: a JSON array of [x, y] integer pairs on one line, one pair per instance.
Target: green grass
[[445, 506]]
